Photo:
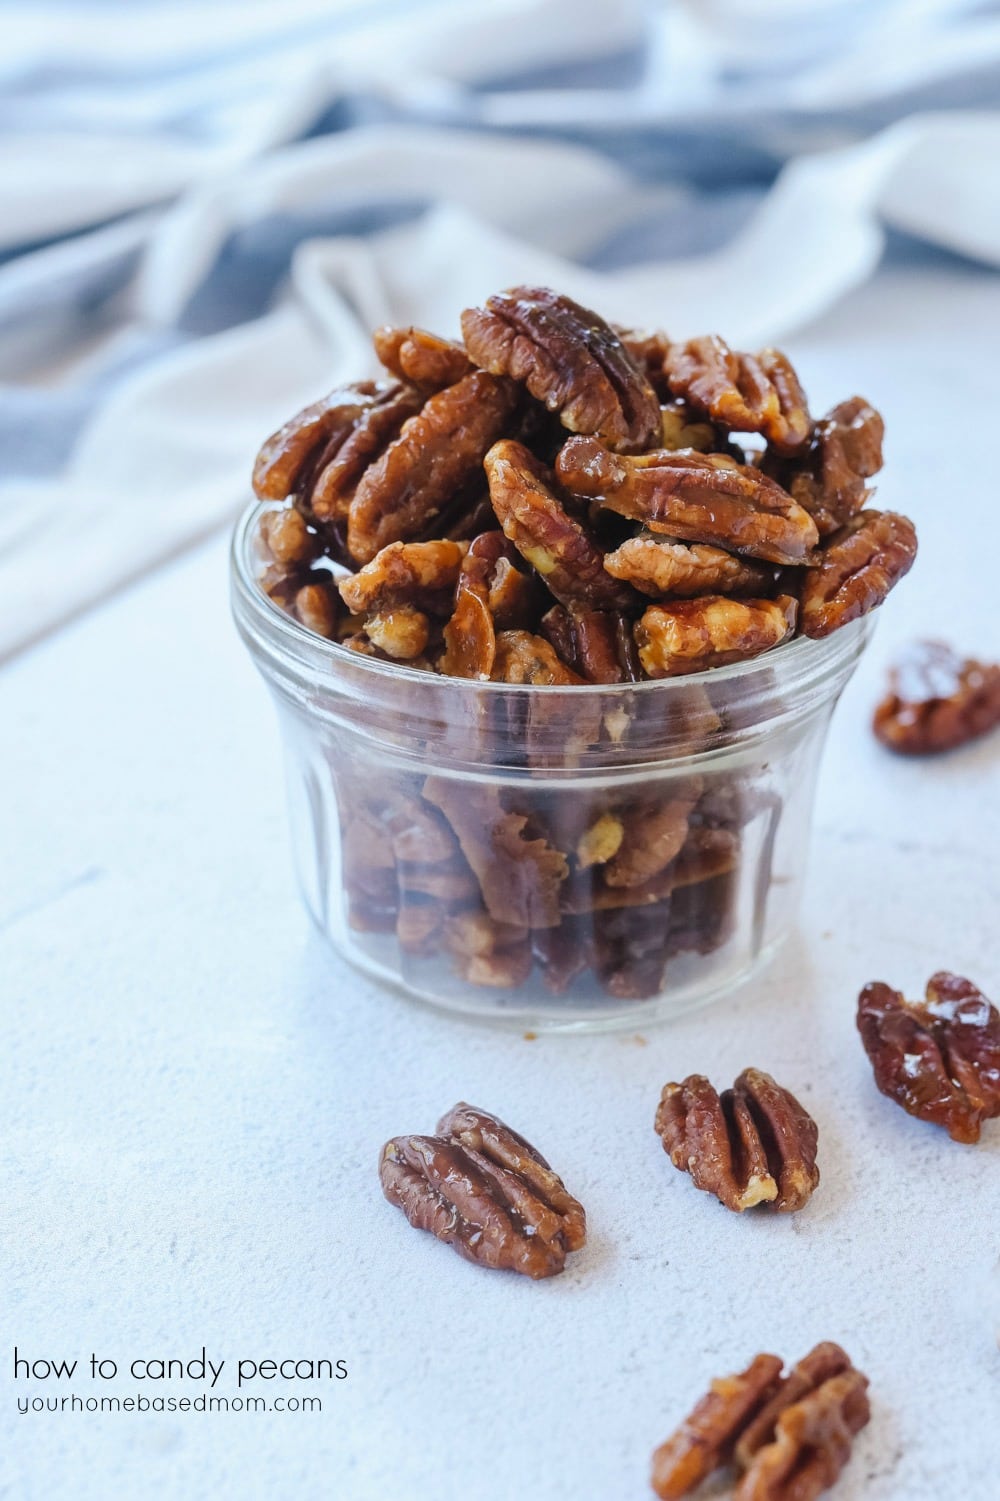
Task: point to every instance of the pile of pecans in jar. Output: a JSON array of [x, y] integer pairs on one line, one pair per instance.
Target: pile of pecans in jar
[[552, 503]]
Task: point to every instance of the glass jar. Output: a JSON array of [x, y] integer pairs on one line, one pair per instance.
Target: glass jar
[[558, 857]]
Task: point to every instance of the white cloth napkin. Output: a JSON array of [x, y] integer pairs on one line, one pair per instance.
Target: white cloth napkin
[[242, 191]]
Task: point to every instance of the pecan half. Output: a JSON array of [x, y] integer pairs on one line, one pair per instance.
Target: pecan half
[[855, 570], [437, 452], [552, 541], [659, 566], [744, 392], [708, 1435], [696, 497], [519, 872], [830, 480], [631, 946], [654, 833], [402, 633], [812, 1443], [939, 1058], [420, 358], [937, 701], [524, 658], [285, 455], [790, 1436], [287, 538], [485, 1191], [421, 575], [598, 644], [692, 635], [569, 359], [753, 1144]]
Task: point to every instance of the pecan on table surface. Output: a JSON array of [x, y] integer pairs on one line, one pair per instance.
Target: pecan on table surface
[[855, 570], [692, 496], [753, 1144], [693, 635], [569, 359], [937, 700], [789, 1437], [482, 1189], [744, 392], [938, 1058]]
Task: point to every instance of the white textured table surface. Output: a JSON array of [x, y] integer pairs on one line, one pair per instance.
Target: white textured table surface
[[194, 1090]]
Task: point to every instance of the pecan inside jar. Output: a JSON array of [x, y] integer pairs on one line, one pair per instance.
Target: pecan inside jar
[[855, 570], [938, 1058], [569, 359], [753, 1144], [937, 701], [485, 1191]]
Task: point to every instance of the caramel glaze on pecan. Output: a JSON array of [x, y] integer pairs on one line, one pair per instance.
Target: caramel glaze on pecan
[[937, 700], [753, 1144], [938, 1058], [552, 541], [855, 570], [437, 453], [742, 392], [789, 1436], [420, 358], [598, 644], [569, 359], [696, 497], [482, 1189], [692, 635], [421, 574]]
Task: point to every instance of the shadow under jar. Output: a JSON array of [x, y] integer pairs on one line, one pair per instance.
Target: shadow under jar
[[558, 857]]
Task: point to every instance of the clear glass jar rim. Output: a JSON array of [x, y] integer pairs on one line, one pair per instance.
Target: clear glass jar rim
[[800, 664]]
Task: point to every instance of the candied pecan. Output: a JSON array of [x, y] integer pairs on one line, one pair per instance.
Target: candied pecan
[[598, 644], [519, 872], [437, 452], [482, 1189], [744, 392], [649, 352], [419, 574], [829, 480], [563, 953], [937, 700], [513, 596], [791, 1436], [696, 497], [708, 1435], [569, 359], [317, 606], [939, 1058], [654, 835], [286, 454], [420, 358], [702, 913], [470, 635], [331, 483], [692, 635], [659, 565], [855, 570], [551, 540], [402, 633], [812, 1443], [823, 1362], [486, 952], [287, 538], [524, 658], [631, 946], [753, 1144]]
